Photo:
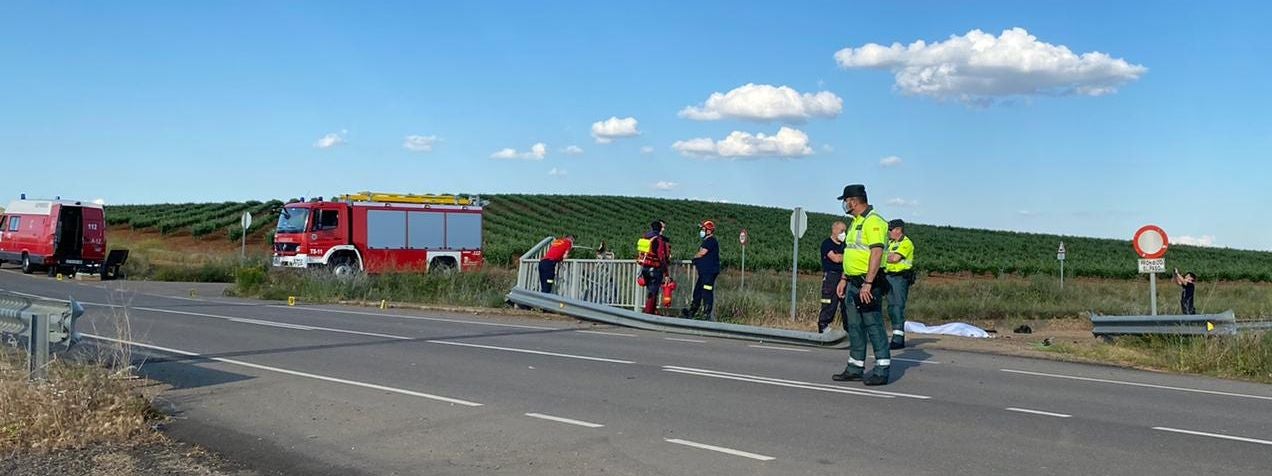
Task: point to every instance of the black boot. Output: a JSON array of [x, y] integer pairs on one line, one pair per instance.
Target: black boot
[[898, 342], [850, 374], [877, 377]]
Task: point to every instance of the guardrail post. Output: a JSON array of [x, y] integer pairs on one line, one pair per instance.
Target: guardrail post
[[38, 344]]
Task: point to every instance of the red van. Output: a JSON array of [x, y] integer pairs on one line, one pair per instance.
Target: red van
[[61, 236]]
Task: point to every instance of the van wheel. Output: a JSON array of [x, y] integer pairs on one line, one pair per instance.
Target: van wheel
[[26, 265]]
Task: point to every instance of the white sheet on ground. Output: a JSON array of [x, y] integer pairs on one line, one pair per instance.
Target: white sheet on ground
[[951, 329]]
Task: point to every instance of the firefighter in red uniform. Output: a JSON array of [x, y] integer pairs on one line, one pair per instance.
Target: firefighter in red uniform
[[654, 254], [557, 252]]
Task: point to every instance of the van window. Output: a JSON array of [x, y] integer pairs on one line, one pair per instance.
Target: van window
[[14, 223], [328, 219]]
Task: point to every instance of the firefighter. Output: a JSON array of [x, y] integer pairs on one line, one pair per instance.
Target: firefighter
[[863, 282], [899, 272], [558, 251], [707, 263], [832, 258], [654, 253]]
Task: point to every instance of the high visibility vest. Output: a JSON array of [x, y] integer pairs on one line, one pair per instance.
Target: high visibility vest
[[867, 231], [905, 248]]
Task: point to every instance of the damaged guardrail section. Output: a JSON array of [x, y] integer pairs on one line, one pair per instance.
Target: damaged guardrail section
[[1224, 323], [43, 323]]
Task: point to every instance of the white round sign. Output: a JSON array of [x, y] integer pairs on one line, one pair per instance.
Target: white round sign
[[246, 220]]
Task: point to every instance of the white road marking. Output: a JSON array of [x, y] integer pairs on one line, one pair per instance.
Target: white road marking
[[1214, 435], [1037, 412], [720, 449], [564, 420], [803, 385], [777, 348], [291, 372], [678, 339], [273, 324], [422, 318], [799, 384], [603, 333], [530, 351], [915, 360], [1137, 384]]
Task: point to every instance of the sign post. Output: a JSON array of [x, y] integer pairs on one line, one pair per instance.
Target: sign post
[[246, 221], [743, 238], [1150, 242], [1060, 257], [799, 224]]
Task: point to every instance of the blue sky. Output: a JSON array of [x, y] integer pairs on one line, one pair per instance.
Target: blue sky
[[172, 101]]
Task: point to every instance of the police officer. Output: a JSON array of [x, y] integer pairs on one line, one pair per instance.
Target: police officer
[[558, 251], [707, 263], [832, 258], [863, 282], [900, 274]]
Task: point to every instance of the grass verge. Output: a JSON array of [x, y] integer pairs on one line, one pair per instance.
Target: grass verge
[[1246, 356]]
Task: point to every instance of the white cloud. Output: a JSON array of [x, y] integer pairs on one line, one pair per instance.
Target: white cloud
[[901, 202], [828, 148], [614, 128], [762, 102], [786, 143], [649, 149], [979, 67], [537, 152], [331, 140], [665, 185], [555, 172], [416, 143], [573, 150], [1026, 213], [99, 201], [890, 161], [1204, 240]]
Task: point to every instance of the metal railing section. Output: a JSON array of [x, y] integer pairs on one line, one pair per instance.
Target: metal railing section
[[1224, 323], [602, 281], [43, 322]]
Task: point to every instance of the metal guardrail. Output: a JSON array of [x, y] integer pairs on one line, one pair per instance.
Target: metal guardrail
[[609, 282], [43, 322], [1224, 323]]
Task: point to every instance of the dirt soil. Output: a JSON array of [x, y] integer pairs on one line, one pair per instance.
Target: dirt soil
[[157, 458]]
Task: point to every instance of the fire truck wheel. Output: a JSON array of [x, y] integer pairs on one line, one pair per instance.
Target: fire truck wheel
[[26, 265], [441, 266], [343, 267]]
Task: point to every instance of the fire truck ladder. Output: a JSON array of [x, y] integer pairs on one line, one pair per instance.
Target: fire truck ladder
[[428, 199]]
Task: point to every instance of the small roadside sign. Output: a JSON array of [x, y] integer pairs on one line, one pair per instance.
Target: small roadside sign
[[743, 238], [1150, 242], [799, 222], [246, 220], [1157, 265], [1060, 252]]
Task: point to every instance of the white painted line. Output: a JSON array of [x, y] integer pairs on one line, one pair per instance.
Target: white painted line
[[529, 351], [272, 323], [603, 333], [776, 381], [291, 372], [820, 388], [422, 318], [678, 339], [1214, 435], [777, 348], [564, 420], [1137, 384], [900, 359], [721, 449], [1037, 412]]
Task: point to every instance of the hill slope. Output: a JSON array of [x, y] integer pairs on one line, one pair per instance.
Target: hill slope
[[516, 222]]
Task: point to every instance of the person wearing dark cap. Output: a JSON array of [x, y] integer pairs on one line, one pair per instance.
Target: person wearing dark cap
[[899, 272], [863, 282]]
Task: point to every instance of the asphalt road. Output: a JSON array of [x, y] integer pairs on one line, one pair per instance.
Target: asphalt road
[[341, 390]]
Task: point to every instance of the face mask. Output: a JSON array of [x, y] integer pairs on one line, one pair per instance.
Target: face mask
[[843, 236], [847, 209], [702, 233]]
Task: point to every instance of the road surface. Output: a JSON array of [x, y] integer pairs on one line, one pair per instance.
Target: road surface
[[312, 389]]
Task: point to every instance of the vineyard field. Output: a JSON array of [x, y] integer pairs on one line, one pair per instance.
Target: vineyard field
[[513, 223]]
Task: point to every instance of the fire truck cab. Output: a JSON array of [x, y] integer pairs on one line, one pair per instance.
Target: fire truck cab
[[381, 233]]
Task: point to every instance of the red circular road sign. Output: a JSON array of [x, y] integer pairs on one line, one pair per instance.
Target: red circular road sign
[[743, 238], [1150, 242]]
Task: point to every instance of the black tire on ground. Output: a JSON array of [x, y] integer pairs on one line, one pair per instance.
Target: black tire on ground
[[344, 266], [27, 267]]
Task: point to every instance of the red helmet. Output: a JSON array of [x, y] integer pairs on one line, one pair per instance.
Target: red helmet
[[709, 226]]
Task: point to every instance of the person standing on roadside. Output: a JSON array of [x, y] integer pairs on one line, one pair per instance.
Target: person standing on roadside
[[1188, 284], [707, 263], [899, 271], [832, 259], [557, 252], [862, 282], [654, 254]]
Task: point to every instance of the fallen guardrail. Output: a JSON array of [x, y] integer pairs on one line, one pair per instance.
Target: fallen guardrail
[[43, 323], [1224, 323]]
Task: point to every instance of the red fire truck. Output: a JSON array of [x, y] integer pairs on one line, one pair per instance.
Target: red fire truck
[[381, 232], [57, 235]]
